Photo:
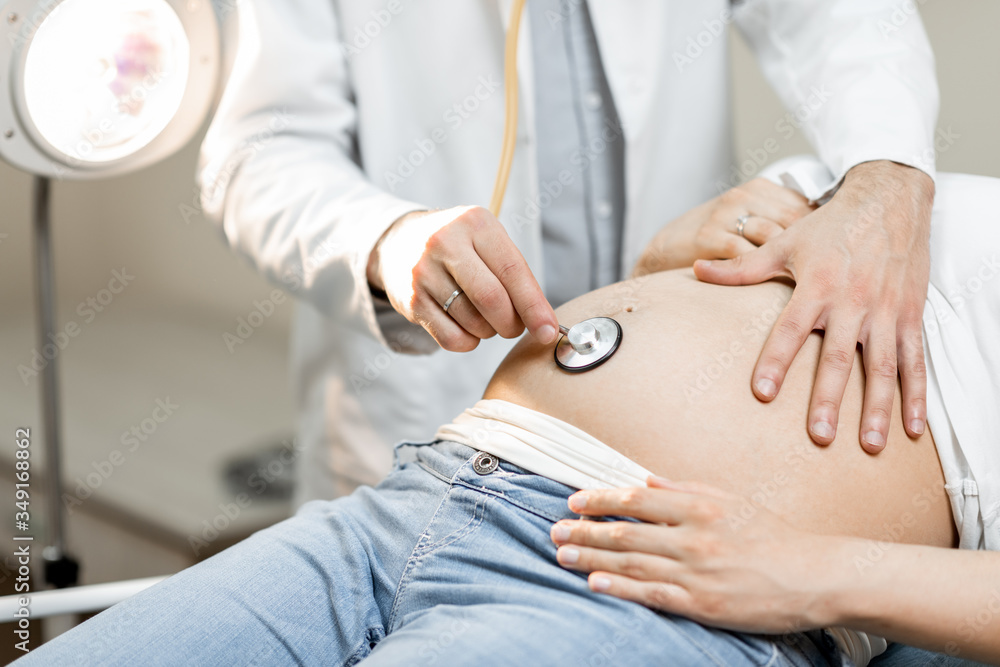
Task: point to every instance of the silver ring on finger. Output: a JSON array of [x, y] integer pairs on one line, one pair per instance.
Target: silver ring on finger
[[741, 223], [451, 299]]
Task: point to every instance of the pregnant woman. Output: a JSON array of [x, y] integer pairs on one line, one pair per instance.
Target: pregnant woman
[[450, 559]]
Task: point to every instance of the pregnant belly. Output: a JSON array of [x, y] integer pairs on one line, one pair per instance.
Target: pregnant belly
[[676, 399]]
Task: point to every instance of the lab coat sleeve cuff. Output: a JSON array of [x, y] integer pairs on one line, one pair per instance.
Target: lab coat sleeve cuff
[[386, 325], [924, 163]]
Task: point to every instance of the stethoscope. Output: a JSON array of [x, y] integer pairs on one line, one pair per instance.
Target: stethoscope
[[588, 344]]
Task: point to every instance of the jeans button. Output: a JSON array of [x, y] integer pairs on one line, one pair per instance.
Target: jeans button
[[485, 463]]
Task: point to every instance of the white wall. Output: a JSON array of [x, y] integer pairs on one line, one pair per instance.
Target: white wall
[[132, 221], [964, 36]]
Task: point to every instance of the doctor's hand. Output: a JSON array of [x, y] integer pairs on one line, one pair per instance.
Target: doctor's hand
[[711, 231], [861, 265], [425, 256], [698, 556]]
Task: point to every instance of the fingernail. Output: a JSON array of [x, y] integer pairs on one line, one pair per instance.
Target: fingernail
[[766, 388], [917, 426], [578, 501], [568, 555], [823, 430], [703, 263], [546, 334], [560, 533], [658, 481], [599, 583], [875, 439]]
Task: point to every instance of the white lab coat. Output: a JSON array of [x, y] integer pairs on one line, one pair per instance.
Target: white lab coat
[[339, 117]]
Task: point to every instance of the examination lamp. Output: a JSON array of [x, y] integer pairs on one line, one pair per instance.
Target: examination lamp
[[91, 89]]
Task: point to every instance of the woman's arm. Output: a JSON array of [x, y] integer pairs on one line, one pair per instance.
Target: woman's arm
[[722, 561], [945, 600], [709, 231]]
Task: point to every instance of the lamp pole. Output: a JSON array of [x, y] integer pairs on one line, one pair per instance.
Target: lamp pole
[[61, 570]]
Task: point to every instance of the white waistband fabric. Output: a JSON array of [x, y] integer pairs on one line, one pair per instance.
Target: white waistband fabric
[[552, 448], [544, 445]]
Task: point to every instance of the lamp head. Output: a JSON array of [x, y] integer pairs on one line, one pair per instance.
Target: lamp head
[[94, 88]]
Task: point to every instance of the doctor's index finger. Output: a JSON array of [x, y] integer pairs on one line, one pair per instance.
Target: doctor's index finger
[[793, 326], [503, 258]]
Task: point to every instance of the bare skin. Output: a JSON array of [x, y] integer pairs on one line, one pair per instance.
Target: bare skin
[[674, 399], [860, 265]]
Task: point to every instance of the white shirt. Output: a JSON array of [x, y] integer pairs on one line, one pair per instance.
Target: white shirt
[[581, 154]]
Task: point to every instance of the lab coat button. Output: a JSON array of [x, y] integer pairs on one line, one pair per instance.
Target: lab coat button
[[485, 463], [604, 209], [593, 100]]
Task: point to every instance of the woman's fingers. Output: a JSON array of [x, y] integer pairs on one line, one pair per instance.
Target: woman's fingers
[[632, 564], [775, 202], [654, 505], [698, 488], [759, 230], [616, 536], [659, 595], [729, 244], [652, 581]]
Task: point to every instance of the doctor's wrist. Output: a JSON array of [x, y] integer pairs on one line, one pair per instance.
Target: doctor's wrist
[[373, 270], [887, 178]]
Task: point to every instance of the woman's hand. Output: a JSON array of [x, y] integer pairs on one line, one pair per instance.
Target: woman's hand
[[723, 561], [710, 231], [424, 257], [704, 554]]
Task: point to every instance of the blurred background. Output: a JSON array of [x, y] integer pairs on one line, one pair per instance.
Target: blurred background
[[222, 412]]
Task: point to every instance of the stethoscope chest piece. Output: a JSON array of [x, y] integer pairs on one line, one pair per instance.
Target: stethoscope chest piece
[[588, 344]]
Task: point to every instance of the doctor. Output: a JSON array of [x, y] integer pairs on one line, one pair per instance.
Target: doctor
[[354, 141]]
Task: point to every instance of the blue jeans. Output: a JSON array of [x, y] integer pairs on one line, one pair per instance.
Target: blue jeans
[[438, 565], [899, 655]]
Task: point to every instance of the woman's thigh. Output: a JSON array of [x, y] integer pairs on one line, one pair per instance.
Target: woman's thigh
[[899, 655], [314, 589], [556, 633], [484, 587]]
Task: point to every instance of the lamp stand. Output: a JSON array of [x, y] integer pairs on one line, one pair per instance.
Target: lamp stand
[[60, 569]]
